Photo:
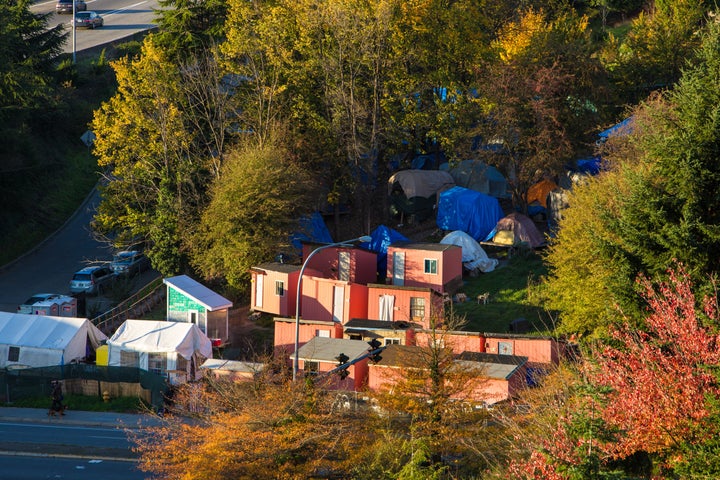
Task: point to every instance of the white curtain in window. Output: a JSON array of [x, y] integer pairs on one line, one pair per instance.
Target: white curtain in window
[[387, 303]]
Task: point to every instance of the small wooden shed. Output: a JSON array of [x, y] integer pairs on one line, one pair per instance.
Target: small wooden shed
[[273, 288], [192, 302]]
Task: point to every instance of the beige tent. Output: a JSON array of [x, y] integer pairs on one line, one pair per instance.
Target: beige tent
[[517, 228]]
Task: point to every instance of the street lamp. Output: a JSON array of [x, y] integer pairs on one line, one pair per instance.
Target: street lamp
[[346, 243]]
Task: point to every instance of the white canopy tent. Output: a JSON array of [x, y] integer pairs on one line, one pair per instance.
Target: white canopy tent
[[473, 255], [44, 341], [175, 349]]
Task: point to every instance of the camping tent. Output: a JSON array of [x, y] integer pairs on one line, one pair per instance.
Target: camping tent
[[478, 176], [517, 228], [468, 210], [312, 228], [473, 256], [382, 238], [43, 341], [174, 348], [414, 192]]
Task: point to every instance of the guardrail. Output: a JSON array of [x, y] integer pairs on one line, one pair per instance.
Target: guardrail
[[133, 307]]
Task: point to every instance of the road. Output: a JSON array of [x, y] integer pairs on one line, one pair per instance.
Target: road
[[123, 18], [34, 468], [49, 268]]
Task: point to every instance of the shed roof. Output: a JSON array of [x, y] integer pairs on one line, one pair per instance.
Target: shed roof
[[277, 267], [492, 365], [321, 349], [367, 324], [198, 292], [428, 246], [232, 365]]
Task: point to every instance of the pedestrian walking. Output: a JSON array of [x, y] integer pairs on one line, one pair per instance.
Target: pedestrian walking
[[56, 394]]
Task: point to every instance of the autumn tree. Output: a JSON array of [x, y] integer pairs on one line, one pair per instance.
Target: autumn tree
[[263, 428], [540, 96], [154, 175]]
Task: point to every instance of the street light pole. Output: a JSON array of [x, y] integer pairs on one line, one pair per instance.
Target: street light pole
[[74, 44], [346, 243]]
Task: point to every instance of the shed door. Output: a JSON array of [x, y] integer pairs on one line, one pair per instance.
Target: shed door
[[259, 280], [338, 303], [398, 273], [386, 307], [344, 266]]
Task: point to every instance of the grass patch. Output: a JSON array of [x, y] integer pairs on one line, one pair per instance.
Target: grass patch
[[514, 289], [86, 403]]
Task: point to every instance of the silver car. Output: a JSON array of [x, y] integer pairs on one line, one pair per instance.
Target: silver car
[[92, 280], [129, 262], [27, 305]]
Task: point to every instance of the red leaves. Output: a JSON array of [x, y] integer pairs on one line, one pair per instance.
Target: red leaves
[[658, 376]]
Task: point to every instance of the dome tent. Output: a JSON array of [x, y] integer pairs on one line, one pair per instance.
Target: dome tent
[[517, 228]]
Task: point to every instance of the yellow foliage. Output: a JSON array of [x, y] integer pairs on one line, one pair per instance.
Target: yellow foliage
[[516, 36]]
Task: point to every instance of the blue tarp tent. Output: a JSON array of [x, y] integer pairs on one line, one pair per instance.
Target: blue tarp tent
[[619, 129], [472, 212], [382, 238], [312, 229]]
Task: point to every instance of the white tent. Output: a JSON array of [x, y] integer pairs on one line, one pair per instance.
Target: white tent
[[44, 341], [175, 349], [473, 255]]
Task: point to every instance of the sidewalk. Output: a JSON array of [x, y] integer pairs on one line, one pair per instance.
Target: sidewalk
[[78, 417]]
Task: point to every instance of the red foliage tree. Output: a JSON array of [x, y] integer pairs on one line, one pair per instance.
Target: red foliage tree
[[659, 377]]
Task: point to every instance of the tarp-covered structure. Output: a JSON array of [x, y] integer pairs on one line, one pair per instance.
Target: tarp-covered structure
[[515, 229], [414, 192], [468, 210], [477, 175], [44, 341], [175, 349], [312, 229], [473, 255], [382, 238]]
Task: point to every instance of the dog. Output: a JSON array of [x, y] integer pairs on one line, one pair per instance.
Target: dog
[[483, 298]]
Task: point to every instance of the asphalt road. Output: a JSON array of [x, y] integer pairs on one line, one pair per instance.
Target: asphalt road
[[123, 18], [25, 467], [49, 268]]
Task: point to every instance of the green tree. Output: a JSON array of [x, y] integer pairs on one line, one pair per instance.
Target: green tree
[[254, 207], [656, 49], [30, 52], [187, 28], [659, 206]]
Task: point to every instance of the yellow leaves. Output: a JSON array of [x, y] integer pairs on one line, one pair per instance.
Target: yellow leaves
[[515, 38]]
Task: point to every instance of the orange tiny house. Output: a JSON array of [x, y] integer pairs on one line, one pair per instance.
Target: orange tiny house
[[273, 288], [348, 264], [419, 305]]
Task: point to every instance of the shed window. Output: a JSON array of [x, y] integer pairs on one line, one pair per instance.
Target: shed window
[[417, 308], [129, 359], [13, 354], [392, 341], [431, 266], [279, 288], [311, 367], [322, 333], [157, 363]]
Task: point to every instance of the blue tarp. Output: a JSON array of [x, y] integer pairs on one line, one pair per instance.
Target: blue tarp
[[472, 212], [623, 128], [382, 238], [312, 229]]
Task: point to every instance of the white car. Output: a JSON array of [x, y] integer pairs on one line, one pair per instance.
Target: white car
[[129, 262]]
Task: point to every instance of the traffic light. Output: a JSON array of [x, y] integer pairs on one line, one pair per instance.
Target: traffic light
[[374, 346], [342, 360]]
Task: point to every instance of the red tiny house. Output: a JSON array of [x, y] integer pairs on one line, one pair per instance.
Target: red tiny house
[[432, 265], [332, 300], [349, 264], [409, 304]]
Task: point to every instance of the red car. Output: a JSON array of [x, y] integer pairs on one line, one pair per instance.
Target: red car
[[88, 20]]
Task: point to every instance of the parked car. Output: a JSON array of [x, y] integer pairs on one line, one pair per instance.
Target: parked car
[[66, 6], [27, 305], [129, 262], [92, 280], [88, 20]]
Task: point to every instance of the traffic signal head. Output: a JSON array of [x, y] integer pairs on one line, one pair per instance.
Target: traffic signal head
[[342, 359], [343, 373], [374, 344]]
